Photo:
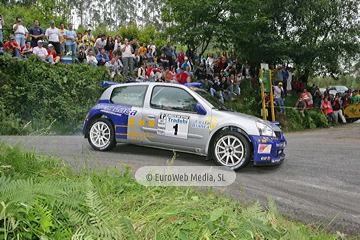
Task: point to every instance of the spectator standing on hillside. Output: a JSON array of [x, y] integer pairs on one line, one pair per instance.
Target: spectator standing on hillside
[[326, 107], [12, 47], [278, 75], [168, 53], [2, 23], [127, 51], [337, 105], [289, 80], [36, 33], [285, 76], [62, 38], [317, 98], [53, 36], [42, 53], [346, 99], [278, 90], [26, 50], [142, 49], [21, 32], [71, 38], [151, 47]]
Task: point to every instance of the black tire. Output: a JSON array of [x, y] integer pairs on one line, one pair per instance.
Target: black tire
[[231, 149], [102, 134]]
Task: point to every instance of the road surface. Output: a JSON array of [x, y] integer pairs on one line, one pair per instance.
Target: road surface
[[319, 179]]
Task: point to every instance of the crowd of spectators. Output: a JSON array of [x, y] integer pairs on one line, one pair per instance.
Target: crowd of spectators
[[221, 74]]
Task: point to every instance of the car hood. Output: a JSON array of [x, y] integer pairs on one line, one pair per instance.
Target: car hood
[[246, 117]]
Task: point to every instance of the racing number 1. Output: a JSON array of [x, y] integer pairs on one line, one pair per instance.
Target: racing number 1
[[175, 127]]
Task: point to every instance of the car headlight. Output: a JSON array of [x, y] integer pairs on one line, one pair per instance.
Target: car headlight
[[265, 130]]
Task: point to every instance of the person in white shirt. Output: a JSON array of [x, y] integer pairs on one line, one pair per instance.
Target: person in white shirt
[[151, 47], [142, 73], [127, 51], [21, 33], [2, 23], [42, 53], [278, 90], [91, 59], [100, 43], [53, 35]]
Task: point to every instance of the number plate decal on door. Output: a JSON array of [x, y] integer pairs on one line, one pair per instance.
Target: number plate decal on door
[[173, 125]]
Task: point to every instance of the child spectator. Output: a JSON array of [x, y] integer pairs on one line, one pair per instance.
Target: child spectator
[[52, 54], [26, 50]]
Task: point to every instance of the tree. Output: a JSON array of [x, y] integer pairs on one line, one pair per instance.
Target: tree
[[315, 35]]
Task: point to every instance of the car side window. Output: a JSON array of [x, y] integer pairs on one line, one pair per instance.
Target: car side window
[[172, 98], [129, 95]]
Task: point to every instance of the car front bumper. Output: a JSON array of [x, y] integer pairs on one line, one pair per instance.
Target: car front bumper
[[268, 150]]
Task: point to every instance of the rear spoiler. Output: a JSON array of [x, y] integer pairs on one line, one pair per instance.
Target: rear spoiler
[[107, 83]]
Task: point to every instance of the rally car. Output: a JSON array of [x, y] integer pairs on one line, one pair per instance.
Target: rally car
[[182, 118]]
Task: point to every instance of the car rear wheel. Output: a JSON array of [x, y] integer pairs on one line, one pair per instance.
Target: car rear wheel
[[231, 149], [102, 135]]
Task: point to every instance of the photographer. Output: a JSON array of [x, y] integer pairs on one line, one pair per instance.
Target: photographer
[[317, 98], [1, 26], [21, 33]]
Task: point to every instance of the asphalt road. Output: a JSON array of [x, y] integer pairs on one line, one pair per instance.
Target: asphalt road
[[318, 180]]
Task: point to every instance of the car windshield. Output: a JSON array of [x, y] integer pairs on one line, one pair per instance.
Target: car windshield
[[212, 100], [341, 88]]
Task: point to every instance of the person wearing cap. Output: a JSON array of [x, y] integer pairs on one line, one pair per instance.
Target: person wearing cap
[[21, 32], [2, 23], [26, 50], [89, 39], [53, 36], [52, 54], [278, 90], [12, 47], [71, 41], [36, 33], [42, 53]]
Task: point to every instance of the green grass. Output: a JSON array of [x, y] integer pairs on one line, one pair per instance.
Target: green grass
[[42, 198]]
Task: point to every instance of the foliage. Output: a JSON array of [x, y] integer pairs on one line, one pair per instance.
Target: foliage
[[36, 91], [57, 202], [44, 11], [343, 80]]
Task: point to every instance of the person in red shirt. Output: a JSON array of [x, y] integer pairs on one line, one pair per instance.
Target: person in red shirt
[[181, 57], [182, 77], [52, 54], [26, 50], [12, 47], [326, 107]]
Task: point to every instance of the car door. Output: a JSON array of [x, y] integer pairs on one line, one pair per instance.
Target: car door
[[128, 103], [177, 125]]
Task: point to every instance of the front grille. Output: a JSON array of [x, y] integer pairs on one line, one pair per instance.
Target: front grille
[[278, 134]]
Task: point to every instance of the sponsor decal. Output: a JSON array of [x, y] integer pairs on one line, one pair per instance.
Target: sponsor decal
[[210, 123], [264, 148], [117, 110], [173, 125]]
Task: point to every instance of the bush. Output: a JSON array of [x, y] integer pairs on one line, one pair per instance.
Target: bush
[[33, 90]]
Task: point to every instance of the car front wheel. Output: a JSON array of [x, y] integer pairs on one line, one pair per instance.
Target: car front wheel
[[102, 135], [231, 149]]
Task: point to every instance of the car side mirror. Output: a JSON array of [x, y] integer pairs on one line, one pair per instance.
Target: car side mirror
[[200, 109]]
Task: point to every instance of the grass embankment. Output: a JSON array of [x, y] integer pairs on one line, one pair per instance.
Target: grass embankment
[[41, 198]]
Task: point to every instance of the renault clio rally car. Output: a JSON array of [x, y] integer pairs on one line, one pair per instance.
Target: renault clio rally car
[[182, 118]]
